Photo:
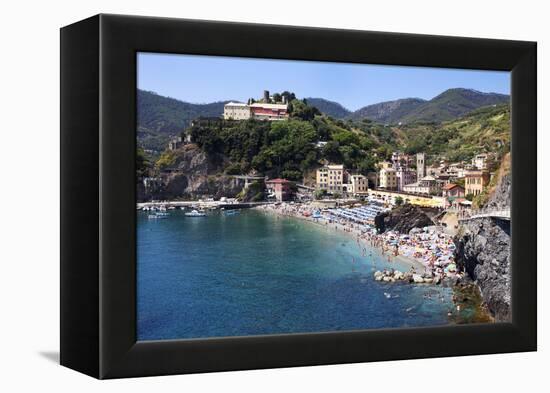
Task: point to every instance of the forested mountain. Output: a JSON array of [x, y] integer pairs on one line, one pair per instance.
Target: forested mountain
[[448, 105], [389, 112], [160, 117], [486, 129], [453, 103], [329, 108], [290, 148]]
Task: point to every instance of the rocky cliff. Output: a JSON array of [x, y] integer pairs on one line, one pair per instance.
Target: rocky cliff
[[402, 219], [483, 251], [191, 174]]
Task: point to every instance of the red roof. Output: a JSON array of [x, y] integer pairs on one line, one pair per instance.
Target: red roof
[[278, 181], [450, 186]]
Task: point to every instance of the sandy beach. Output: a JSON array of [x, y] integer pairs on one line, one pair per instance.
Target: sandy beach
[[427, 253]]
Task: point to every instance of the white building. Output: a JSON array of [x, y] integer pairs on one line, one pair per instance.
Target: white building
[[259, 110], [482, 161], [427, 185], [236, 111], [358, 184]]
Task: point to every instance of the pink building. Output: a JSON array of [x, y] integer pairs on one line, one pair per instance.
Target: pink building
[[453, 191], [281, 189]]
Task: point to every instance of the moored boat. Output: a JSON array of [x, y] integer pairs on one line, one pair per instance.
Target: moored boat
[[158, 216], [195, 213]]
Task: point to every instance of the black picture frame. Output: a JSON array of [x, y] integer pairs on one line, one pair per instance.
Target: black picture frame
[[98, 144]]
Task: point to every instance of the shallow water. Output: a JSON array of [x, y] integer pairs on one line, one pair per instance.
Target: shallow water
[[256, 273]]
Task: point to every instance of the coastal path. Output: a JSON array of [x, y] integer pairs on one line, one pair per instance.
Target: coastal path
[[502, 214]]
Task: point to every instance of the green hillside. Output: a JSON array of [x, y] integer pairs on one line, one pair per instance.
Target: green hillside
[[287, 148], [484, 130], [453, 103], [160, 118], [329, 108], [389, 112], [291, 148], [449, 105]]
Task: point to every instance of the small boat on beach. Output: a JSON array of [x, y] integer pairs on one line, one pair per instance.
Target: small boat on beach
[[232, 212], [195, 213]]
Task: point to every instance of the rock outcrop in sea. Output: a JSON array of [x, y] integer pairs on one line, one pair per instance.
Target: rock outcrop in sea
[[483, 251], [402, 219]]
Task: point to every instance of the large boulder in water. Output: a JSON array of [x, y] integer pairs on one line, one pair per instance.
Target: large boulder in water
[[402, 219]]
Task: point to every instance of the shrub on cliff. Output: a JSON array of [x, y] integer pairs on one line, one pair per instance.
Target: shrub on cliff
[[254, 193]]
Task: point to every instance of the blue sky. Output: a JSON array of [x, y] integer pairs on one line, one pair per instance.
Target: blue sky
[[203, 79]]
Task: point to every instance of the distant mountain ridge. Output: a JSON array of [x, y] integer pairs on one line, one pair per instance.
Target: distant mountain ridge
[[160, 118], [454, 103], [329, 108], [448, 105], [389, 111]]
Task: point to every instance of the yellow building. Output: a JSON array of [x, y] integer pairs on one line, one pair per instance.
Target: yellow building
[[331, 178], [476, 181], [387, 178], [418, 200]]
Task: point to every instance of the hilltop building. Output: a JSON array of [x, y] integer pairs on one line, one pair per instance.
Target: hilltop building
[[236, 111], [257, 110], [476, 181], [262, 111], [175, 143], [265, 110]]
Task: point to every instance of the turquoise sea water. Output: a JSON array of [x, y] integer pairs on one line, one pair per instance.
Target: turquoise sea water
[[254, 273]]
